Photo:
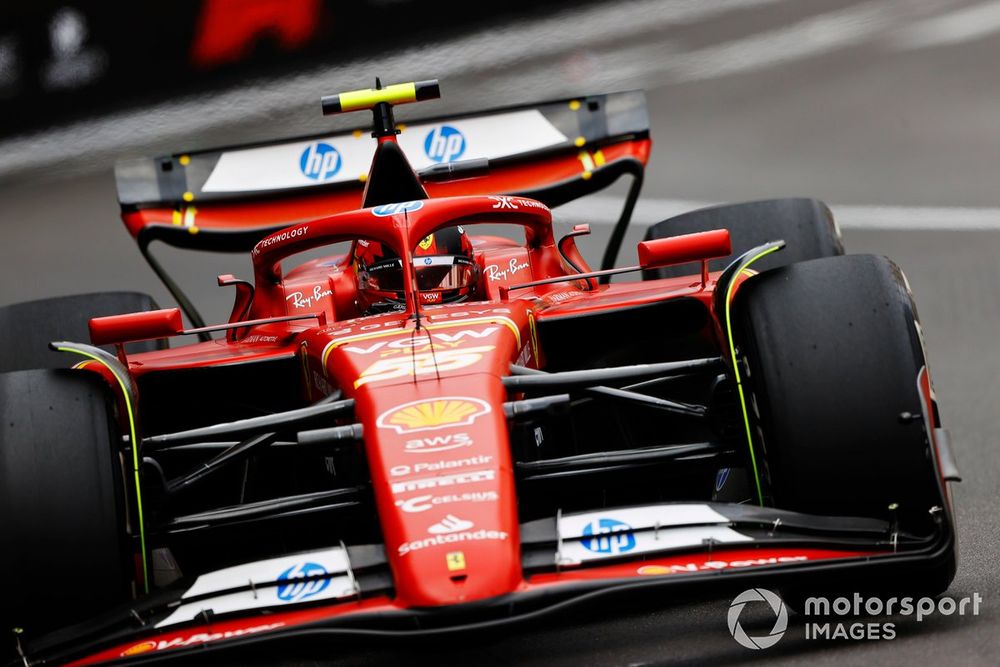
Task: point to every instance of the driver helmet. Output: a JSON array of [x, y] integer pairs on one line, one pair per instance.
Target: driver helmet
[[443, 264]]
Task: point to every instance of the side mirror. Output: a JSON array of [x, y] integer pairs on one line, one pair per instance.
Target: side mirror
[[697, 247], [136, 326]]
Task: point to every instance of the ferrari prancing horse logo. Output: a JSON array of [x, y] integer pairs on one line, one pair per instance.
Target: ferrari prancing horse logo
[[455, 560]]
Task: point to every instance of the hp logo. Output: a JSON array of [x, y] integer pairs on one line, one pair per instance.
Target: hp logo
[[444, 144], [320, 161], [608, 536], [293, 588], [392, 209]]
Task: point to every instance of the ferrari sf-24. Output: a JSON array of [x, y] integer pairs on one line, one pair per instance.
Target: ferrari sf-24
[[427, 414]]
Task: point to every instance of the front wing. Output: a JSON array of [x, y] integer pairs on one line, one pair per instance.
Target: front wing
[[678, 551]]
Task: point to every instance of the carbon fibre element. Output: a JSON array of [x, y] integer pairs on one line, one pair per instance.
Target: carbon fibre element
[[287, 419], [589, 378]]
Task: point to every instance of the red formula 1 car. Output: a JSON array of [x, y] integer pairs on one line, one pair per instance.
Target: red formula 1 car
[[428, 430]]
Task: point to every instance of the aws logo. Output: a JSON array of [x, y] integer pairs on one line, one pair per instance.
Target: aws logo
[[438, 443]]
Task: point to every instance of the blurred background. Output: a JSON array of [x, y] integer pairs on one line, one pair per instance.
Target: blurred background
[[887, 110], [862, 104]]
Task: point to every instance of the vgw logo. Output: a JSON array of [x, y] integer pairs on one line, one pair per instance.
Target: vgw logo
[[608, 536], [320, 161], [293, 587], [780, 622], [444, 144]]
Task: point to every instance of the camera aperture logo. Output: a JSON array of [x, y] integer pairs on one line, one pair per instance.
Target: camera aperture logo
[[780, 621], [856, 617]]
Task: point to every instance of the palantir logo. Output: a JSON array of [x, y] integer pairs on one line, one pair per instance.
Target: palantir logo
[[780, 622], [608, 536], [444, 144], [293, 588], [320, 161]]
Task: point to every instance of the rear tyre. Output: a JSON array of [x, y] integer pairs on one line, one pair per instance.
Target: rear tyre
[[27, 328], [832, 355], [806, 225], [66, 552]]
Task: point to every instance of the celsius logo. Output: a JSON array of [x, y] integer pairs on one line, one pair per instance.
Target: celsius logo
[[320, 161], [401, 207], [608, 536], [780, 622], [293, 588], [444, 144]]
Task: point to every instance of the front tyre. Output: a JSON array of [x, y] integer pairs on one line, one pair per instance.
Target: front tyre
[[63, 525], [832, 355]]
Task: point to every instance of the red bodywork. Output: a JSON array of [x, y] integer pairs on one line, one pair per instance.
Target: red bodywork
[[428, 387], [429, 400], [452, 364]]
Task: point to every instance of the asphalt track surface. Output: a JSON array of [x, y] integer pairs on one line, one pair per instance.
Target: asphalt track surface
[[860, 104]]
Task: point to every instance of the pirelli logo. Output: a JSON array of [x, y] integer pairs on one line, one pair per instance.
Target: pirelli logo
[[444, 480]]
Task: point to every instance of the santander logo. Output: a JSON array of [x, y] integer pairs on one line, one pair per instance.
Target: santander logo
[[452, 530], [449, 524]]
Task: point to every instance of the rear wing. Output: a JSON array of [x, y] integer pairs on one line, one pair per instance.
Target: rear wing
[[230, 198], [226, 200]]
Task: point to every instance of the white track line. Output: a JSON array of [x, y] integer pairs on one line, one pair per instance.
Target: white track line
[[620, 45], [963, 25], [650, 62], [616, 45], [811, 37], [604, 210]]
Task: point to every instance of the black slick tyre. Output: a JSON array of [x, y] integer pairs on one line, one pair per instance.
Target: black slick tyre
[[806, 226], [27, 328], [832, 355], [62, 485]]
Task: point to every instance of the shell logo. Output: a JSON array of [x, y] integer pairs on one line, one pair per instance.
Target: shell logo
[[144, 647], [428, 415]]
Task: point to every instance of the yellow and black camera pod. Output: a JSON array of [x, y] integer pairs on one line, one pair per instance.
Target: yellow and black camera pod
[[381, 100]]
